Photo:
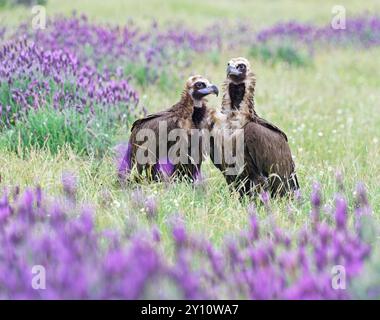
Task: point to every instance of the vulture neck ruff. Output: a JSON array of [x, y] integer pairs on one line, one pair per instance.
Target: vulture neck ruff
[[236, 92], [240, 97], [199, 114], [187, 109]]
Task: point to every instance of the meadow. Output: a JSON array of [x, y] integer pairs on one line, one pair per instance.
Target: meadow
[[61, 132]]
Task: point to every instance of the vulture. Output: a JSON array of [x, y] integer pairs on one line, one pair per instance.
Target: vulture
[[267, 163], [168, 143]]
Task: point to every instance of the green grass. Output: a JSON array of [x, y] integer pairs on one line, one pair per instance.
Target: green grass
[[258, 12], [329, 110], [273, 54], [51, 130]]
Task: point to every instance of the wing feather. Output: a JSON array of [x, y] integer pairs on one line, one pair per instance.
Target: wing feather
[[139, 122], [267, 148], [270, 126]]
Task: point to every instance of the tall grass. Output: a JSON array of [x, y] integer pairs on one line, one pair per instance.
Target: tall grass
[[52, 130]]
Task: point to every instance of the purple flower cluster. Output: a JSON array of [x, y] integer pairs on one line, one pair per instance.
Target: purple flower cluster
[[81, 65], [36, 231], [80, 262], [31, 77], [286, 29], [295, 43], [142, 54], [149, 55], [361, 31]]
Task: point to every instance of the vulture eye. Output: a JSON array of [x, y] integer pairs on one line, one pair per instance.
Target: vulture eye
[[241, 67], [200, 85]]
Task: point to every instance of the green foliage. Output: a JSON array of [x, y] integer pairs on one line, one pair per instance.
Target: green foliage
[[145, 76], [281, 53], [9, 110], [367, 285], [8, 117], [139, 73], [261, 52], [89, 131], [214, 57], [52, 130]]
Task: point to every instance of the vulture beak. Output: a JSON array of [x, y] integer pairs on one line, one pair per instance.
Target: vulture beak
[[232, 71], [199, 94]]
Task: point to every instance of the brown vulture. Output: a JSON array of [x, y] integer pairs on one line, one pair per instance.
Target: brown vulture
[[267, 159], [169, 142]]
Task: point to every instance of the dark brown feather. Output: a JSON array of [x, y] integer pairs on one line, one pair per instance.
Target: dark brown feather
[[269, 125], [182, 115], [268, 156], [268, 162]]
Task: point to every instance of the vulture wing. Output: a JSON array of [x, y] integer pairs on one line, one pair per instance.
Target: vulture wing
[[270, 126], [150, 122], [267, 150], [139, 122]]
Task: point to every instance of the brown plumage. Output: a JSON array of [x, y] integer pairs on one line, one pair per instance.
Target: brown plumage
[[268, 163], [187, 114]]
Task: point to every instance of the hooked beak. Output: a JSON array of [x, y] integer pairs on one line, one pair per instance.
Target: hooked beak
[[232, 71], [199, 94]]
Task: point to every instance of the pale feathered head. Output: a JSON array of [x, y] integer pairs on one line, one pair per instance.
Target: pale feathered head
[[240, 82], [199, 87], [238, 69]]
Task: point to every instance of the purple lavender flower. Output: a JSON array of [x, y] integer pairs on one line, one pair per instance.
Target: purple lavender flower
[[265, 197], [316, 197], [151, 207], [124, 164], [298, 195], [253, 234], [137, 197], [179, 234], [340, 212], [316, 201], [362, 207], [70, 184], [166, 168], [53, 68], [156, 234], [47, 235], [361, 193]]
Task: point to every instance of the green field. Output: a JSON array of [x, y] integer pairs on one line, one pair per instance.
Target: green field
[[259, 12], [329, 110]]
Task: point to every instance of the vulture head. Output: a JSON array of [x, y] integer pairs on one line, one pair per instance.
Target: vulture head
[[198, 87], [239, 86], [238, 69]]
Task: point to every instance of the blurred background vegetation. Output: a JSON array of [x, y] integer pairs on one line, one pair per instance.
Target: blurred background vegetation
[[196, 15]]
